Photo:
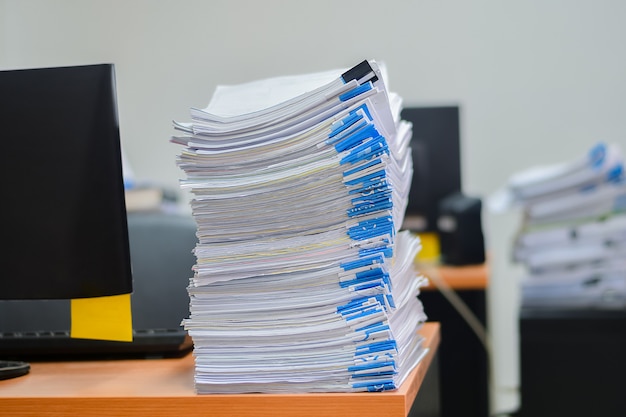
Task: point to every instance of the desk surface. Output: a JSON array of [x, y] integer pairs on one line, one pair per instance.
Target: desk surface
[[468, 277], [164, 387]]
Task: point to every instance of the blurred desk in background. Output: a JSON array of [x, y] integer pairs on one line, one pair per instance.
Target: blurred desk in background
[[459, 278]]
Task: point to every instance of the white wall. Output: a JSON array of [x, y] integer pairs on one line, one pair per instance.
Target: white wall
[[537, 81]]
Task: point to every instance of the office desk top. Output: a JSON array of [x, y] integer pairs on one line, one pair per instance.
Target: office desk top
[[467, 277], [165, 387]]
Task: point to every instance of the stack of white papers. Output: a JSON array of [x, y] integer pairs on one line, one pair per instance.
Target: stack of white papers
[[303, 280], [573, 232], [589, 187], [588, 286]]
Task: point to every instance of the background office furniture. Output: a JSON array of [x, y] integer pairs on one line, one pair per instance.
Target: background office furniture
[[460, 230], [463, 360], [436, 152], [164, 387], [572, 363], [436, 147]]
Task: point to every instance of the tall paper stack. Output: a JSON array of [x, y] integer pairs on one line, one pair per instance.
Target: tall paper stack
[[303, 280]]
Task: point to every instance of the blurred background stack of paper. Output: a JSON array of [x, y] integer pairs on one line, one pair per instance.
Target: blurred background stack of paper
[[303, 280], [573, 236]]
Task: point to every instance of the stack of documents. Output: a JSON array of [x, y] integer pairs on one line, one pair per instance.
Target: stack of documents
[[303, 280], [590, 187], [573, 237]]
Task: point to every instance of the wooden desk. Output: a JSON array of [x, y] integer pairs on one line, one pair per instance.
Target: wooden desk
[[469, 277], [165, 387]]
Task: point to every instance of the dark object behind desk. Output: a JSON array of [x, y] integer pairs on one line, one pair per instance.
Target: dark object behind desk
[[436, 152], [460, 230], [161, 256], [463, 369], [572, 363]]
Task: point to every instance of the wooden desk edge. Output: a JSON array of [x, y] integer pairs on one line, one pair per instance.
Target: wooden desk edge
[[390, 403]]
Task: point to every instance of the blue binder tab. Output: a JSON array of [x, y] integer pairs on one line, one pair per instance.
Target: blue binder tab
[[343, 124], [597, 155], [382, 387], [342, 142], [362, 167], [365, 109], [355, 91], [377, 347], [357, 137]]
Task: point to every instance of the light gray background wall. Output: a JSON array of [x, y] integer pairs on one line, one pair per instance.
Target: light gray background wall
[[537, 81]]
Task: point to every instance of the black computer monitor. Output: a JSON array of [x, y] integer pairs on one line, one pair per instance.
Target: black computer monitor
[[63, 217], [436, 163], [63, 214]]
